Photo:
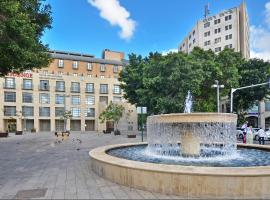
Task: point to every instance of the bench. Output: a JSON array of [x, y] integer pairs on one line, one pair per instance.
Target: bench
[[18, 133], [3, 134], [131, 136]]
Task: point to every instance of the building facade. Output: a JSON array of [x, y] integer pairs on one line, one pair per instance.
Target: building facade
[[227, 29], [80, 83]]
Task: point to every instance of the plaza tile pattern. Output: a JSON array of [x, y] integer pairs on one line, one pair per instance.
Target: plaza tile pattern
[[32, 163]]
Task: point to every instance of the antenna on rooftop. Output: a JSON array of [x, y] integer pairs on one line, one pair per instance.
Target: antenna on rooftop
[[206, 10]]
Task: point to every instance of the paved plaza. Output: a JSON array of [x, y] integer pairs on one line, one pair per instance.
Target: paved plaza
[[37, 166]]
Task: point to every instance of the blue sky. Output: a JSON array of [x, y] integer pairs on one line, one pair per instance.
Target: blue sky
[[141, 26]]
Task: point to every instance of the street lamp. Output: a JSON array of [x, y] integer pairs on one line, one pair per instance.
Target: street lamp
[[217, 86]]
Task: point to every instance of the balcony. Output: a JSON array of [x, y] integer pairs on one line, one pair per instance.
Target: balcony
[[9, 86], [27, 87], [44, 87]]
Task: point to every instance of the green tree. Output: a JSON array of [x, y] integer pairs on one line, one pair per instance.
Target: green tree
[[22, 23], [162, 82], [253, 71], [113, 112]]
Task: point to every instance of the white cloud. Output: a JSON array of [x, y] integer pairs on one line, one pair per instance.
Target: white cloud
[[112, 11], [165, 52], [260, 38], [267, 13]]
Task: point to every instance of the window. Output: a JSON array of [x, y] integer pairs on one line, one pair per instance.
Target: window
[[60, 63], [10, 110], [216, 21], [76, 112], [28, 111], [59, 111], [207, 34], [90, 100], [75, 100], [44, 98], [75, 87], [60, 73], [10, 83], [90, 112], [193, 32], [115, 69], [89, 88], [102, 76], [89, 75], [217, 30], [44, 111], [228, 27], [75, 65], [189, 37], [194, 40], [60, 86], [44, 85], [89, 66], [229, 17], [27, 97], [130, 128], [10, 96], [103, 89], [217, 40], [117, 99], [59, 99], [103, 99], [116, 89], [27, 84], [207, 24], [102, 68], [206, 43], [228, 37], [75, 74], [218, 49], [228, 46]]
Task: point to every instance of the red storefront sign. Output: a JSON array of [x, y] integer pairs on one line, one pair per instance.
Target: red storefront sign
[[22, 75]]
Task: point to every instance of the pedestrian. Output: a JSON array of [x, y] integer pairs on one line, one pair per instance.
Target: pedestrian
[[261, 135], [244, 128], [249, 135]]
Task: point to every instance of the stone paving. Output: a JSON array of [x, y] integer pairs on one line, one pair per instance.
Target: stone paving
[[36, 161]]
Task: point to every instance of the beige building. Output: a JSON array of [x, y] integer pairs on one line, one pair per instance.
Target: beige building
[[229, 28], [79, 83]]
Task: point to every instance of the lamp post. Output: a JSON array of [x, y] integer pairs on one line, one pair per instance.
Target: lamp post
[[218, 87]]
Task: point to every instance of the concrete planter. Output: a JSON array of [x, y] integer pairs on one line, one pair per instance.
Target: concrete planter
[[18, 133]]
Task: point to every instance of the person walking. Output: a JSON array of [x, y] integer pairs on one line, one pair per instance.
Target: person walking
[[261, 135], [244, 128], [249, 135]]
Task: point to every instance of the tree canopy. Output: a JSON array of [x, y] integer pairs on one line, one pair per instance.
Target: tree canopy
[[22, 23], [161, 82]]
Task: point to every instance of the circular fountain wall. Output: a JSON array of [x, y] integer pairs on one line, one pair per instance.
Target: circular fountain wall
[[195, 131], [186, 181]]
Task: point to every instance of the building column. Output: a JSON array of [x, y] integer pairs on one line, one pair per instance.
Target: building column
[[19, 124], [261, 118], [68, 125], [36, 124], [53, 124]]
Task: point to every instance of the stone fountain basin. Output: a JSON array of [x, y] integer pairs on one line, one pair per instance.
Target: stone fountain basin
[[185, 181]]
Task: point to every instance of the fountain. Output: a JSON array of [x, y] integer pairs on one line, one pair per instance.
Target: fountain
[[191, 155]]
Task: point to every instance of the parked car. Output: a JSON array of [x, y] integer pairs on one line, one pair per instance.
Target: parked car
[[240, 133], [256, 136]]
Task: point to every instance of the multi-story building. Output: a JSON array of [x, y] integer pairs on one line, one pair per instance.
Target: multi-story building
[[79, 83], [229, 28]]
